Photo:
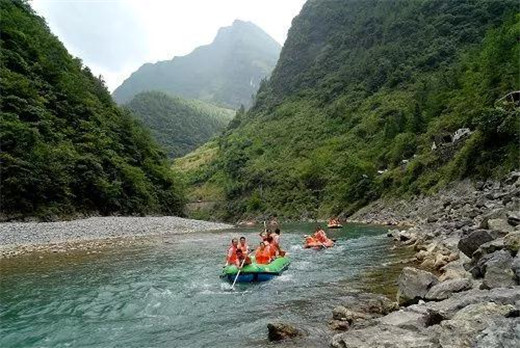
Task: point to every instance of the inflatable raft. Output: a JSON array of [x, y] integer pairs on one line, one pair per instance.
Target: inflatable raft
[[335, 226], [256, 272]]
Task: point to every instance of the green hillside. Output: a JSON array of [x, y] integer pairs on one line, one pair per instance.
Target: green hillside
[[226, 72], [366, 100], [179, 125], [67, 149]]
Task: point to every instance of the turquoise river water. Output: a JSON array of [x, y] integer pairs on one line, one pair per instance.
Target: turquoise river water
[[170, 295]]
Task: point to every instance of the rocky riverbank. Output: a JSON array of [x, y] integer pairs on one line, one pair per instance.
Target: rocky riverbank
[[466, 291], [17, 238]]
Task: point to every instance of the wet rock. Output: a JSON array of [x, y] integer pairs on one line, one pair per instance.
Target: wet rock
[[339, 325], [363, 306], [470, 243], [413, 285], [498, 272], [345, 314], [445, 289], [281, 331]]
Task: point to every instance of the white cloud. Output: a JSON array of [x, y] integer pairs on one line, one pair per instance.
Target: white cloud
[[115, 37]]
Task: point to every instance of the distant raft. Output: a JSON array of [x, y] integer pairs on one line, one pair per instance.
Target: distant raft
[[256, 272], [334, 225]]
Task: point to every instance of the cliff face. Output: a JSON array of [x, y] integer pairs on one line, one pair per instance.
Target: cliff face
[[226, 72], [362, 91]]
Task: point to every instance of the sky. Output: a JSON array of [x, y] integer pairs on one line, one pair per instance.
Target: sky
[[115, 37]]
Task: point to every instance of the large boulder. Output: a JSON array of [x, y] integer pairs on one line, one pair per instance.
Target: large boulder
[[470, 243], [413, 285], [498, 271], [444, 290], [281, 331]]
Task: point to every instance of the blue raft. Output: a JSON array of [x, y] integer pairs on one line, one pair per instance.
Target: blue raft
[[256, 272]]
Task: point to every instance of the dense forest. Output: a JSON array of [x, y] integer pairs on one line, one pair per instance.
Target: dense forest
[[226, 72], [370, 99], [179, 125], [66, 147]]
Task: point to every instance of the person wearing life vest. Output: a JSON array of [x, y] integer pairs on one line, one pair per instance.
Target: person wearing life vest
[[242, 245], [276, 243], [242, 259], [320, 235], [231, 257], [263, 254]]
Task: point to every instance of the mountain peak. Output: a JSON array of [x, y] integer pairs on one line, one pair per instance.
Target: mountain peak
[[226, 72]]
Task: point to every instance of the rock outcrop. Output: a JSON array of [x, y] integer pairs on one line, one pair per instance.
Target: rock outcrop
[[469, 236]]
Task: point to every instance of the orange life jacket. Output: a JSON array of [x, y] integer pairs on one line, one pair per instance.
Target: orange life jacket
[[232, 255], [263, 256]]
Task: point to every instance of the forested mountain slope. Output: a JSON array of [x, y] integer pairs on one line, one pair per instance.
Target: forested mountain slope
[[373, 98], [179, 125], [66, 148], [226, 72]]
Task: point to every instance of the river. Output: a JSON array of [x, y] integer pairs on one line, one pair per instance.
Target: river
[[170, 295]]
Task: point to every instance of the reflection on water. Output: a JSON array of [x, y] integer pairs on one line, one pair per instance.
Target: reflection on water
[[170, 295]]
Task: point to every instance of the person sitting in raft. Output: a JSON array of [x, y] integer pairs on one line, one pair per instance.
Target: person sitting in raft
[[263, 254], [231, 257], [243, 245], [242, 259], [320, 235], [276, 243]]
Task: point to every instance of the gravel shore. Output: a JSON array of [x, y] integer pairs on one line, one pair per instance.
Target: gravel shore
[[19, 237]]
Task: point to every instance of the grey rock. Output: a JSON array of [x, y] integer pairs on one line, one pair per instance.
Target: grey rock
[[445, 289], [500, 225], [470, 243], [513, 219], [515, 266], [498, 272], [281, 331], [413, 285], [512, 242], [502, 333], [465, 326], [368, 303], [387, 336]]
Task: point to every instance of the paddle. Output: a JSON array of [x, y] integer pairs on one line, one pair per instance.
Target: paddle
[[238, 273]]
